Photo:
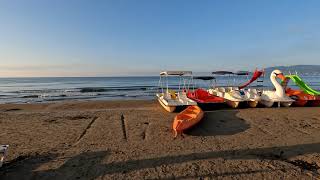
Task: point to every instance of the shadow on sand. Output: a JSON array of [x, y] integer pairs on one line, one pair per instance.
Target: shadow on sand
[[222, 122], [90, 165]]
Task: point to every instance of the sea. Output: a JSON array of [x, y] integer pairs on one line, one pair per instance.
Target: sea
[[49, 89]]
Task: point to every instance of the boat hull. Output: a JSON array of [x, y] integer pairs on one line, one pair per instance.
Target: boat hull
[[187, 119], [286, 104], [301, 98], [167, 108], [253, 104], [315, 103], [300, 103], [233, 104], [266, 103], [271, 103]]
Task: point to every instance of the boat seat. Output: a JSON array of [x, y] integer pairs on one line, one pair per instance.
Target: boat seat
[[184, 116], [182, 95], [242, 93], [253, 91], [173, 94], [201, 94], [221, 94], [213, 91], [167, 96], [221, 89], [228, 89]]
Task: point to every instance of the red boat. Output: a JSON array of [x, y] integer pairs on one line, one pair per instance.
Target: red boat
[[301, 97], [202, 96]]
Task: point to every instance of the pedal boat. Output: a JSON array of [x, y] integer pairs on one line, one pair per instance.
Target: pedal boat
[[301, 97], [251, 95], [269, 97], [231, 95], [170, 99], [202, 96]]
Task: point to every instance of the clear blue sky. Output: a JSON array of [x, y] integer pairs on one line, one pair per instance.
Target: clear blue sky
[[136, 37]]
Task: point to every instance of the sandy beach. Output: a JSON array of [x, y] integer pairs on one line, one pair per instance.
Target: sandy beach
[[134, 140]]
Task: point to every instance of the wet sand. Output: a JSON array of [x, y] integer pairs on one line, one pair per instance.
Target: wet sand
[[133, 140]]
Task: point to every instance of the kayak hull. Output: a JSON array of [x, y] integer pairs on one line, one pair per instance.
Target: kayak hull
[[186, 119]]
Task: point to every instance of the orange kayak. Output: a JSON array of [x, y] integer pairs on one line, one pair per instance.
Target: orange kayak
[[186, 119]]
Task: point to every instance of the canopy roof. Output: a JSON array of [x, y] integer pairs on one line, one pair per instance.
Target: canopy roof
[[222, 72], [175, 73], [205, 78], [241, 73]]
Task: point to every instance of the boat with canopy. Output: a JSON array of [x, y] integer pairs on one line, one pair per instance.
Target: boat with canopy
[[250, 94], [171, 98], [230, 93], [234, 95], [201, 95]]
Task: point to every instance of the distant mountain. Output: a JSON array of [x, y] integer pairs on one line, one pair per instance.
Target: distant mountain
[[300, 69]]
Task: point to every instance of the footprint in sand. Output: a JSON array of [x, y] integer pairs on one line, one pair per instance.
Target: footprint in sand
[[145, 130]]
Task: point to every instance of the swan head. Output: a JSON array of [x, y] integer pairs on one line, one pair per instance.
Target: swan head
[[277, 73]]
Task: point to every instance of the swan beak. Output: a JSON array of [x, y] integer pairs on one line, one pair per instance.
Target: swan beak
[[281, 76]]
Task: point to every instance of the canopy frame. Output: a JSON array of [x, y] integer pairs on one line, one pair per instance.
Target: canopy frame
[[185, 79]]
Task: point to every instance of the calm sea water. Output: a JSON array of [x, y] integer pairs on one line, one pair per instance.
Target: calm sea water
[[31, 90]]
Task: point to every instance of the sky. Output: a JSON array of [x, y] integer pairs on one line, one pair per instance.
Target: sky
[[143, 37]]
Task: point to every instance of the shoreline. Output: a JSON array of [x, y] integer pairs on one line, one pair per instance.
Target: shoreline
[[132, 139]]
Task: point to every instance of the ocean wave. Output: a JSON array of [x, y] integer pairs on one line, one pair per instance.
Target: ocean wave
[[30, 96], [41, 91], [108, 89], [79, 95], [85, 90]]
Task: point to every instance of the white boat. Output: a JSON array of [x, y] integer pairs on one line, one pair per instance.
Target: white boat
[[235, 95], [232, 97], [269, 97], [251, 95], [169, 98], [3, 153]]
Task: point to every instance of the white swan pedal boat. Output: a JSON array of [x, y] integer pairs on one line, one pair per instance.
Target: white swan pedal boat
[[269, 97]]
